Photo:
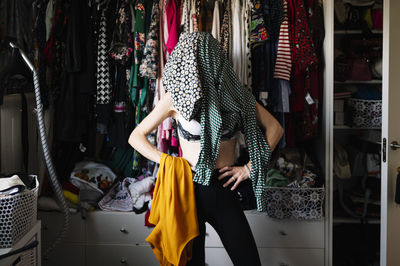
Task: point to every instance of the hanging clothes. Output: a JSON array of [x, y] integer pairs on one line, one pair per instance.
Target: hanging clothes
[[226, 28], [258, 31], [104, 90], [246, 57], [237, 41], [216, 27], [173, 24], [204, 15], [40, 40], [121, 47], [49, 17], [149, 65], [283, 65]]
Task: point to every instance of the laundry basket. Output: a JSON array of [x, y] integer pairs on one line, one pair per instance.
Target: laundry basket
[[18, 214], [295, 203]]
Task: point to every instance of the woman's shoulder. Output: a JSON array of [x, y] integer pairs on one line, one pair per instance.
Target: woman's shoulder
[[166, 101]]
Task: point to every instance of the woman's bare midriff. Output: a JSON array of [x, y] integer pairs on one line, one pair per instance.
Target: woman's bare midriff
[[226, 155]]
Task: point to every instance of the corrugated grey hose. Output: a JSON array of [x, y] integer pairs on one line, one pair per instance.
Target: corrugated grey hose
[[49, 163]]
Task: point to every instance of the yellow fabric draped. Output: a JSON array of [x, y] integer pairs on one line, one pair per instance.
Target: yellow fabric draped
[[173, 212]]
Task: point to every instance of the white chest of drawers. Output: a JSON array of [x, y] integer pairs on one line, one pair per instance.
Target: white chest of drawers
[[115, 238]]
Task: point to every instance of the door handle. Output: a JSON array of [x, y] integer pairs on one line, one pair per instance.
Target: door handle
[[394, 145]]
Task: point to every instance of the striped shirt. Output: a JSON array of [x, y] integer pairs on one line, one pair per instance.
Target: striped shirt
[[283, 65]]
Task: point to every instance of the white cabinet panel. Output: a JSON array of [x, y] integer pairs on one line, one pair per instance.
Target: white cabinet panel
[[51, 225], [278, 233], [291, 257], [65, 255], [217, 257], [271, 257], [116, 228], [114, 255], [286, 233], [212, 238]]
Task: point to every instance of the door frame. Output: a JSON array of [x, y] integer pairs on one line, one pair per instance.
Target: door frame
[[385, 131]]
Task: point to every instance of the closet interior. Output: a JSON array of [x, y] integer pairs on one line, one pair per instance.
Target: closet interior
[[100, 65], [357, 132]]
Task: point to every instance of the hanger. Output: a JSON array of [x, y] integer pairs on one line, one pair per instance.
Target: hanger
[[102, 3]]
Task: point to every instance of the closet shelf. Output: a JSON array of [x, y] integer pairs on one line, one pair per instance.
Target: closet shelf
[[355, 128], [356, 31], [373, 81], [348, 220]]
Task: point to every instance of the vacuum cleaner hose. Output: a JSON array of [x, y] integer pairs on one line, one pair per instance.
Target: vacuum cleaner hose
[[49, 163]]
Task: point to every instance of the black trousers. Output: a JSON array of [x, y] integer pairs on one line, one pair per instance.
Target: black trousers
[[221, 208]]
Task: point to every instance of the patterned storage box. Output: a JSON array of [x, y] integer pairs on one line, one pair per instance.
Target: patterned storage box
[[295, 203], [366, 113], [18, 214]]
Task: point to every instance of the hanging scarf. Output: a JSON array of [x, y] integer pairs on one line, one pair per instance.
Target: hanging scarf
[[204, 87]]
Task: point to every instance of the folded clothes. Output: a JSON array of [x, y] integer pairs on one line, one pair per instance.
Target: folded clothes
[[11, 185], [276, 179], [139, 191]]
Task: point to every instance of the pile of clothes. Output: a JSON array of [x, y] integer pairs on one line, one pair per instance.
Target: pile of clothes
[[94, 185], [292, 171]]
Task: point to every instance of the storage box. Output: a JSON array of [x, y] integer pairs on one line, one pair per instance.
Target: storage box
[[339, 118], [295, 203], [366, 113], [338, 105]]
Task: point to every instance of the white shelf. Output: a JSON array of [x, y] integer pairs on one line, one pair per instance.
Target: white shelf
[[347, 220], [356, 31], [355, 128], [373, 81]]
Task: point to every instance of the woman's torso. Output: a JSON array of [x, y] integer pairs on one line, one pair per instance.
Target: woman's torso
[[191, 149], [226, 155]]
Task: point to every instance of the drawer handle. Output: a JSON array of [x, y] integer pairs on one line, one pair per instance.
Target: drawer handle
[[283, 233], [123, 261], [123, 230], [283, 264]]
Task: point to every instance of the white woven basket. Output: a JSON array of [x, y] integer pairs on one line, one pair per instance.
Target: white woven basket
[[295, 203], [366, 113], [18, 213]]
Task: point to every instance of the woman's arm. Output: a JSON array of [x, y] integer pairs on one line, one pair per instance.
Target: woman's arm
[[138, 140], [273, 129], [273, 133]]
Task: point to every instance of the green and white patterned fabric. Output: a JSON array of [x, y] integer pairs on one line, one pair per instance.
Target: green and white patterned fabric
[[204, 87]]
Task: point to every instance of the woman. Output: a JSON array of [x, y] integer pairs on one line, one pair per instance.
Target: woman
[[210, 105]]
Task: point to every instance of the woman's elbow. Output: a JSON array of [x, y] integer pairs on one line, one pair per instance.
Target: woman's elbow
[[133, 138], [280, 131]]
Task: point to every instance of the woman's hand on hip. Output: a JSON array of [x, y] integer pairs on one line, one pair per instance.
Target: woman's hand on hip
[[237, 174]]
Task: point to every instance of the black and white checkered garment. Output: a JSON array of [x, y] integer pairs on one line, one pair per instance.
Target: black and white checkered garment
[[104, 89]]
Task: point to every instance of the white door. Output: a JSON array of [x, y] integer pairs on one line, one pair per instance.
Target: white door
[[390, 211]]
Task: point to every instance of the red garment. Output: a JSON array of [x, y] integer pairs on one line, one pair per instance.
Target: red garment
[[173, 24], [70, 187], [304, 57], [302, 47]]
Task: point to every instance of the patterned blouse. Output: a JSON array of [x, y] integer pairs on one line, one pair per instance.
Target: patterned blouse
[[204, 86]]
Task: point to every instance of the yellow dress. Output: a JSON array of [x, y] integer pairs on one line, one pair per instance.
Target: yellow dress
[[173, 212]]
